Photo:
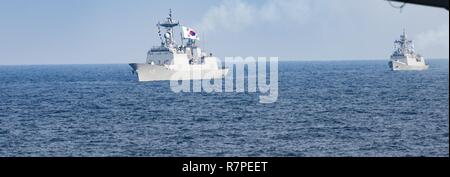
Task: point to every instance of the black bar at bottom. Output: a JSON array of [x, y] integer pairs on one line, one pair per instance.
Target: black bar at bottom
[[223, 166]]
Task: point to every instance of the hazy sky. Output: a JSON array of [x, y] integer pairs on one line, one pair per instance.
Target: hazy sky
[[121, 31]]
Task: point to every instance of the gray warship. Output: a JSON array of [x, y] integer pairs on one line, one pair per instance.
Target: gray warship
[[170, 60], [405, 57]]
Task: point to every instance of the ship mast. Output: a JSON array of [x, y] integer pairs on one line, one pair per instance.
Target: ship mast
[[169, 24], [404, 45]]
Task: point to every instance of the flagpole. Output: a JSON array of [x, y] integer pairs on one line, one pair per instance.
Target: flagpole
[[182, 41], [204, 41]]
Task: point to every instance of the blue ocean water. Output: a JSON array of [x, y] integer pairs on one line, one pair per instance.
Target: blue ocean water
[[350, 108]]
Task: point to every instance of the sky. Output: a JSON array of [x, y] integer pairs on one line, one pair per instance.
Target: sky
[[122, 31]]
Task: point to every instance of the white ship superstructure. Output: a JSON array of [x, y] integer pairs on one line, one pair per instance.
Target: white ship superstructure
[[183, 60], [405, 57]]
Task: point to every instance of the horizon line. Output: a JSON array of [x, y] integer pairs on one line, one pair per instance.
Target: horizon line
[[280, 60]]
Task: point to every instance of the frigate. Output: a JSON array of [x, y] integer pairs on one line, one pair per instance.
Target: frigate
[[405, 57], [171, 61]]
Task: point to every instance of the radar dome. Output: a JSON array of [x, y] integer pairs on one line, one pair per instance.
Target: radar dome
[[167, 35]]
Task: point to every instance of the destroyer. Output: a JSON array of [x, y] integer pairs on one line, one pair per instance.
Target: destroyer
[[405, 57], [170, 59]]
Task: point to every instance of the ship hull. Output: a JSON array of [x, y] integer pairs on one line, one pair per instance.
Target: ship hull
[[399, 66], [148, 73]]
